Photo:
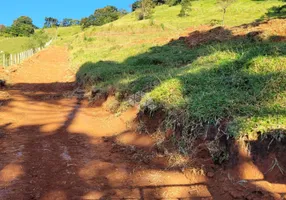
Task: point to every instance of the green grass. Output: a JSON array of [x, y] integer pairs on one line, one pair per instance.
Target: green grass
[[13, 45], [64, 34], [203, 12], [18, 44], [237, 79], [240, 80]]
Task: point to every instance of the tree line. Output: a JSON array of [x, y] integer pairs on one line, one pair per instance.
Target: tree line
[[144, 8], [102, 16], [23, 26], [54, 22]]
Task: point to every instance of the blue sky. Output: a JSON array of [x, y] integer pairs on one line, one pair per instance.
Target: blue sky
[[38, 9]]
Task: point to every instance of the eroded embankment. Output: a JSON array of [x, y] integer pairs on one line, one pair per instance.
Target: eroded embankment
[[55, 144], [244, 167]]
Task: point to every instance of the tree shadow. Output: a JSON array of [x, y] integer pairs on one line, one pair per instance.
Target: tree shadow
[[212, 91], [274, 13], [61, 162], [231, 80], [51, 155]]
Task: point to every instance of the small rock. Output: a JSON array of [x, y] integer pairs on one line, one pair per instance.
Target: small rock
[[210, 174]]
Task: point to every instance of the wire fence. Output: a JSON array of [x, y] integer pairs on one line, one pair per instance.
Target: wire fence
[[13, 59]]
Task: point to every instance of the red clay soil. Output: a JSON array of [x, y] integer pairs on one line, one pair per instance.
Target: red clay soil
[[272, 30], [54, 146]]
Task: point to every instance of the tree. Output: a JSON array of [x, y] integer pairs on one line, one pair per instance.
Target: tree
[[224, 4], [38, 39], [159, 2], [137, 4], [22, 26], [2, 30], [21, 30], [173, 2], [23, 20], [2, 27], [106, 15], [123, 12], [66, 22], [146, 9], [69, 22], [51, 22], [75, 22], [102, 16], [186, 7], [87, 21]]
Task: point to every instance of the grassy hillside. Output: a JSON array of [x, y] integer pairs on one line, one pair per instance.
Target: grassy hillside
[[13, 45], [19, 44], [241, 81], [64, 34], [204, 12]]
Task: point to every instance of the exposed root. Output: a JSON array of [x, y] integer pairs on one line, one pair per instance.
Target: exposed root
[[274, 164]]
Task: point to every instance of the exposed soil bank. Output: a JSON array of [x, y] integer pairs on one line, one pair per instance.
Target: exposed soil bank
[[257, 31], [236, 169], [53, 145]]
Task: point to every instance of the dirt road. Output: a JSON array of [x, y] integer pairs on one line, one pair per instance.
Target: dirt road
[[53, 146]]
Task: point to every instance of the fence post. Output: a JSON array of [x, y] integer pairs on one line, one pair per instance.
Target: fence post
[[2, 52], [19, 57]]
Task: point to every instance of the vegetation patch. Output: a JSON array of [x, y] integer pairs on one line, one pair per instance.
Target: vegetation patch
[[234, 77], [218, 81]]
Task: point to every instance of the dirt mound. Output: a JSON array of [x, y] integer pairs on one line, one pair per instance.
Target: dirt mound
[[274, 30]]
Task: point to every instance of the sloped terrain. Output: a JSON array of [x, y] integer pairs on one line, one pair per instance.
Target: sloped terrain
[[55, 145], [151, 109], [273, 30]]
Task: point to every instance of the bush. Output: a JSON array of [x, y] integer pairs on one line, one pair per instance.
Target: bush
[[140, 16], [173, 2], [23, 26], [38, 39], [102, 16], [215, 22]]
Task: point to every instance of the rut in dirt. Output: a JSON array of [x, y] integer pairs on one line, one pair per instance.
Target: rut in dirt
[[53, 145]]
